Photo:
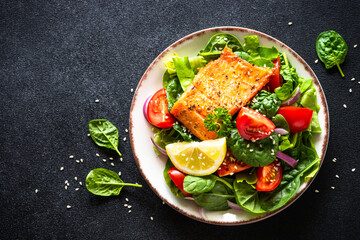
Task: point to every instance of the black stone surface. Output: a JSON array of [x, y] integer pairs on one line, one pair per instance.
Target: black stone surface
[[57, 57]]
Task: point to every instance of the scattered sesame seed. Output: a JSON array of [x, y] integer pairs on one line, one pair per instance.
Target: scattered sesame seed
[[68, 206], [344, 106], [355, 46], [66, 181], [163, 202], [332, 187], [358, 82], [337, 176], [251, 150], [316, 61], [36, 190], [334, 159], [317, 191], [77, 189], [62, 169], [71, 156], [112, 164], [350, 90], [353, 170], [104, 160], [97, 100], [110, 158], [290, 23], [81, 160], [124, 139], [77, 161], [129, 211], [88, 134], [131, 90], [126, 130], [98, 155], [80, 183], [66, 187], [119, 173], [353, 79], [151, 218], [68, 184], [75, 178], [129, 206], [126, 199], [121, 159], [125, 205]]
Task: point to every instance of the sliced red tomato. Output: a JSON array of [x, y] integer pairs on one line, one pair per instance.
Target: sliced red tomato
[[269, 176], [178, 178], [231, 165], [157, 111], [298, 118], [252, 125], [275, 78]]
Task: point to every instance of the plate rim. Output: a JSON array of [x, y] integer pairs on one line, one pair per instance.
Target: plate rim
[[321, 94]]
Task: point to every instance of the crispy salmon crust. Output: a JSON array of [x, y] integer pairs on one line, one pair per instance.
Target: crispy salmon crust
[[228, 82]]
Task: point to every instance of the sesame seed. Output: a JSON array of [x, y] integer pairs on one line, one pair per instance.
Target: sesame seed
[[151, 218], [353, 170], [350, 90], [77, 161], [129, 206], [344, 106], [66, 181], [110, 158], [112, 164], [132, 90], [355, 46], [337, 176], [126, 130], [353, 79], [71, 156], [68, 184], [62, 169], [163, 202], [290, 23], [119, 173], [104, 160], [274, 142], [121, 159], [81, 160], [97, 100], [66, 187], [129, 211], [88, 134], [251, 150], [126, 199], [75, 178], [317, 191], [68, 206], [332, 187], [98, 155], [36, 190], [125, 205], [248, 145], [334, 159], [77, 189], [80, 183], [316, 61], [124, 139]]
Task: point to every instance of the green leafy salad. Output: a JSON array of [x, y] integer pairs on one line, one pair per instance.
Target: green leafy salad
[[263, 153]]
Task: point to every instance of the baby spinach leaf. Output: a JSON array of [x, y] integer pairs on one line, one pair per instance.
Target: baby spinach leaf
[[103, 182], [185, 133], [173, 91], [104, 134], [280, 122], [217, 43], [315, 125], [251, 44], [195, 184], [291, 79], [331, 49], [249, 176], [308, 100], [216, 199], [305, 84], [269, 53], [173, 188], [256, 154], [183, 71], [247, 197], [266, 103]]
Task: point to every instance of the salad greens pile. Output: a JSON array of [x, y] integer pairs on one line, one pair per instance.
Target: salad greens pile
[[213, 192]]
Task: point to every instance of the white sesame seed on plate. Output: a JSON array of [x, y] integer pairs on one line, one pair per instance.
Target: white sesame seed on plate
[[71, 156], [344, 106], [316, 61], [290, 23], [355, 46], [36, 190], [98, 155], [151, 218], [317, 191], [353, 170], [62, 169], [97, 100], [68, 206]]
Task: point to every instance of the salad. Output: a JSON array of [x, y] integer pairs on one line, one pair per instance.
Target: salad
[[252, 156]]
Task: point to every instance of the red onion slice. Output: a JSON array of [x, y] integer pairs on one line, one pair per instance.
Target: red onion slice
[[145, 107], [292, 162], [234, 206], [291, 100], [281, 131], [160, 149]]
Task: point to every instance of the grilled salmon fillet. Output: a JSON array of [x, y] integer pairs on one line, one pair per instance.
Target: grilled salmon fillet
[[228, 82]]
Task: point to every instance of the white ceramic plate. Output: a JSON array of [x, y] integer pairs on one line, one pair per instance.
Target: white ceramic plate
[[151, 166]]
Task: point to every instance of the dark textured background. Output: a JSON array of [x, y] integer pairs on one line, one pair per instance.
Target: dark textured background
[[57, 57]]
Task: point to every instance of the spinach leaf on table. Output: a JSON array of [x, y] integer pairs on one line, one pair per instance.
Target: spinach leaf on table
[[256, 154], [104, 134], [266, 103], [331, 49], [104, 182]]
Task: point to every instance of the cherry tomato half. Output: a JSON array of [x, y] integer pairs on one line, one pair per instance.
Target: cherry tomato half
[[158, 112], [178, 178], [298, 118], [275, 78], [231, 165], [269, 176], [253, 125]]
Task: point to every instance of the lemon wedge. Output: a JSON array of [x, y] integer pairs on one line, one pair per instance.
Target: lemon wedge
[[197, 158]]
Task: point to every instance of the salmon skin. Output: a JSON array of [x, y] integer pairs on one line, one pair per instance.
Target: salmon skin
[[228, 82]]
